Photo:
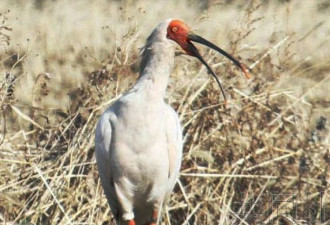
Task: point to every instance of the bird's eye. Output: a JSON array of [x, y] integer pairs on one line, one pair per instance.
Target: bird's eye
[[174, 29]]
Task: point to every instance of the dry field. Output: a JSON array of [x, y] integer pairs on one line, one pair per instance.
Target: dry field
[[264, 160]]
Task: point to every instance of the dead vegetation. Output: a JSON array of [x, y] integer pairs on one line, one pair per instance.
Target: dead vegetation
[[265, 160]]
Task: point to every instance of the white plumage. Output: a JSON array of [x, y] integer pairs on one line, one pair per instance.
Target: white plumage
[[138, 139]]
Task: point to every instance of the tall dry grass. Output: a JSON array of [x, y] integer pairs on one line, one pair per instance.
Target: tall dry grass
[[265, 160]]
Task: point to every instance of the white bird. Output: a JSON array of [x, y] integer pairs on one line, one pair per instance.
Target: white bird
[[138, 140]]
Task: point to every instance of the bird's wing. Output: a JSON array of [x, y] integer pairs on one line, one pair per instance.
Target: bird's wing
[[103, 135], [174, 145]]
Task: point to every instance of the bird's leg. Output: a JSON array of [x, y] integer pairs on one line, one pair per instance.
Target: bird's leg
[[154, 217], [124, 197], [130, 222], [157, 207], [128, 219]]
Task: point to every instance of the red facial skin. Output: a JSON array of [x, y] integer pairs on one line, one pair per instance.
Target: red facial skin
[[178, 32]]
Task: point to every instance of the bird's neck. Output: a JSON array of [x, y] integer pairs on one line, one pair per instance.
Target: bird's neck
[[156, 67]]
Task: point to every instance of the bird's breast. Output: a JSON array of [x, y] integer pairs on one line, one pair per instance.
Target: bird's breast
[[139, 144]]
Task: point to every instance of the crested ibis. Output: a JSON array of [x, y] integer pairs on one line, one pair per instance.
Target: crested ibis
[[138, 140]]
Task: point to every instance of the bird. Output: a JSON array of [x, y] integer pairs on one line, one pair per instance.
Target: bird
[[138, 139]]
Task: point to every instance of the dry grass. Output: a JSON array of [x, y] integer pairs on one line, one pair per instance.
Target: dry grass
[[265, 160]]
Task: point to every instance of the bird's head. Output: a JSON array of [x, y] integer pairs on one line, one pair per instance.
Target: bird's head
[[179, 32]]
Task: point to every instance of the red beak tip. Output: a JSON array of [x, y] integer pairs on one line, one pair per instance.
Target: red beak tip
[[245, 71], [226, 104], [247, 75]]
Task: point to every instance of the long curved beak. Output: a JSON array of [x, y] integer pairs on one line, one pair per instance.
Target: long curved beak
[[193, 51]]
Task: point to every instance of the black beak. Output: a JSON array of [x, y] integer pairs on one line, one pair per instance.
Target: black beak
[[194, 52], [199, 39]]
